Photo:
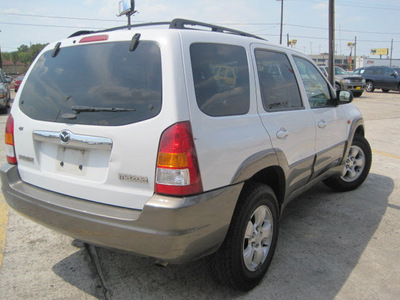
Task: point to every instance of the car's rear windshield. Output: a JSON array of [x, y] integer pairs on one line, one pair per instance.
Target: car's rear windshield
[[99, 84]]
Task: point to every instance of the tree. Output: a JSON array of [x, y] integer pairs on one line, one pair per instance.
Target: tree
[[24, 54], [6, 56], [35, 50], [14, 57], [23, 48]]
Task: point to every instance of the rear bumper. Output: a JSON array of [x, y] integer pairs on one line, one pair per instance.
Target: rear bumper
[[175, 230]]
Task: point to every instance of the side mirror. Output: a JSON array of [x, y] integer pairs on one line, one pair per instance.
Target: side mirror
[[345, 97]]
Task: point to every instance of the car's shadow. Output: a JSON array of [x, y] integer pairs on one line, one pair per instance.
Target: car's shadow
[[322, 236]]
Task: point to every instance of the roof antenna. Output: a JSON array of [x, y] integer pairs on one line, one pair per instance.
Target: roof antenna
[[127, 7]]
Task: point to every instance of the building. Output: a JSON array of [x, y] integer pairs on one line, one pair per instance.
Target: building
[[14, 69], [362, 61], [339, 60]]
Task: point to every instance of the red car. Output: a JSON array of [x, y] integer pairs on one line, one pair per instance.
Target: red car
[[18, 82]]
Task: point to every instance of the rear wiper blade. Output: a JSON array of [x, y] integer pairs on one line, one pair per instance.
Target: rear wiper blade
[[79, 109]]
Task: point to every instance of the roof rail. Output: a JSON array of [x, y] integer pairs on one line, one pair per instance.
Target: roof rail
[[176, 24], [182, 23]]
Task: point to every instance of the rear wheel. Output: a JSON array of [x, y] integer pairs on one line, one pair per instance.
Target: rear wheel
[[357, 94], [4, 110], [249, 246], [356, 169], [370, 86], [385, 90]]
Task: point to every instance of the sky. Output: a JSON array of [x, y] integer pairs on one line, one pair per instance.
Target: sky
[[373, 23]]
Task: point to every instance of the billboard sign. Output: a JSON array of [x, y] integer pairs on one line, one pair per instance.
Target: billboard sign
[[380, 51], [126, 7]]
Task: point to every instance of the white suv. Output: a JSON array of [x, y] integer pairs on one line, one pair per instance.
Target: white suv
[[177, 143]]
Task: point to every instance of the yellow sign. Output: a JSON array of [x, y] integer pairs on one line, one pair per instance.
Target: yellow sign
[[380, 51]]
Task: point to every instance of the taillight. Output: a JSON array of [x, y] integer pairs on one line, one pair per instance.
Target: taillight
[[178, 170], [10, 151]]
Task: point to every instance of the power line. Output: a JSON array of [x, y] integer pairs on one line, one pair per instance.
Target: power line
[[297, 36], [62, 17], [222, 23], [343, 30], [46, 25], [326, 38], [358, 5]]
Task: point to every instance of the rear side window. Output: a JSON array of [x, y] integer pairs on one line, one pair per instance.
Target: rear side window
[[221, 79], [98, 84], [278, 85]]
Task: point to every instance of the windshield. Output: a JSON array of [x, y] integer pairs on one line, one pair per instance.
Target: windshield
[[123, 86], [340, 71]]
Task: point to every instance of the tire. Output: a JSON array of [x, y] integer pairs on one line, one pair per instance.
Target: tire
[[356, 169], [357, 94], [370, 87], [3, 110], [245, 255], [385, 90], [337, 87]]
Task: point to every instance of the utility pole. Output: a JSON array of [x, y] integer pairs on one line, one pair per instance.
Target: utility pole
[[280, 40], [391, 51], [355, 53], [331, 67], [1, 61]]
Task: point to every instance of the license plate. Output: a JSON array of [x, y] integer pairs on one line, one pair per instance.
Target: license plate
[[358, 88], [72, 160]]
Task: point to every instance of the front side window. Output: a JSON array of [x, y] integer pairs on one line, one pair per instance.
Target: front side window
[[221, 79], [369, 71], [99, 84], [278, 85], [378, 71], [318, 91]]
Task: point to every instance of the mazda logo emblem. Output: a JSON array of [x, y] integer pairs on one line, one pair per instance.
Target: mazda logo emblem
[[65, 136]]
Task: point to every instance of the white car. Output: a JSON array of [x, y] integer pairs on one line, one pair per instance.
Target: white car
[[128, 139]]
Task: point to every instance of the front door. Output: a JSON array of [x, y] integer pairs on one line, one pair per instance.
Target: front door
[[329, 118]]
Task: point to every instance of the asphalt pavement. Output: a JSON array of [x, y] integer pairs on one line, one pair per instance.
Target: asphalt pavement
[[331, 245]]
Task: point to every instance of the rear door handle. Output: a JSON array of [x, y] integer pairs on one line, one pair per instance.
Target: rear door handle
[[282, 133], [322, 124]]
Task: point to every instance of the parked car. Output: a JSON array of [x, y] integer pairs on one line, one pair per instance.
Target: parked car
[[18, 82], [382, 77], [5, 94], [348, 82], [156, 156], [324, 70]]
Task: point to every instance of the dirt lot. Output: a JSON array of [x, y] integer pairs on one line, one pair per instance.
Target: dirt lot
[[331, 246]]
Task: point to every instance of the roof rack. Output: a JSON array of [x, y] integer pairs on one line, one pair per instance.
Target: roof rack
[[176, 24], [182, 23]]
